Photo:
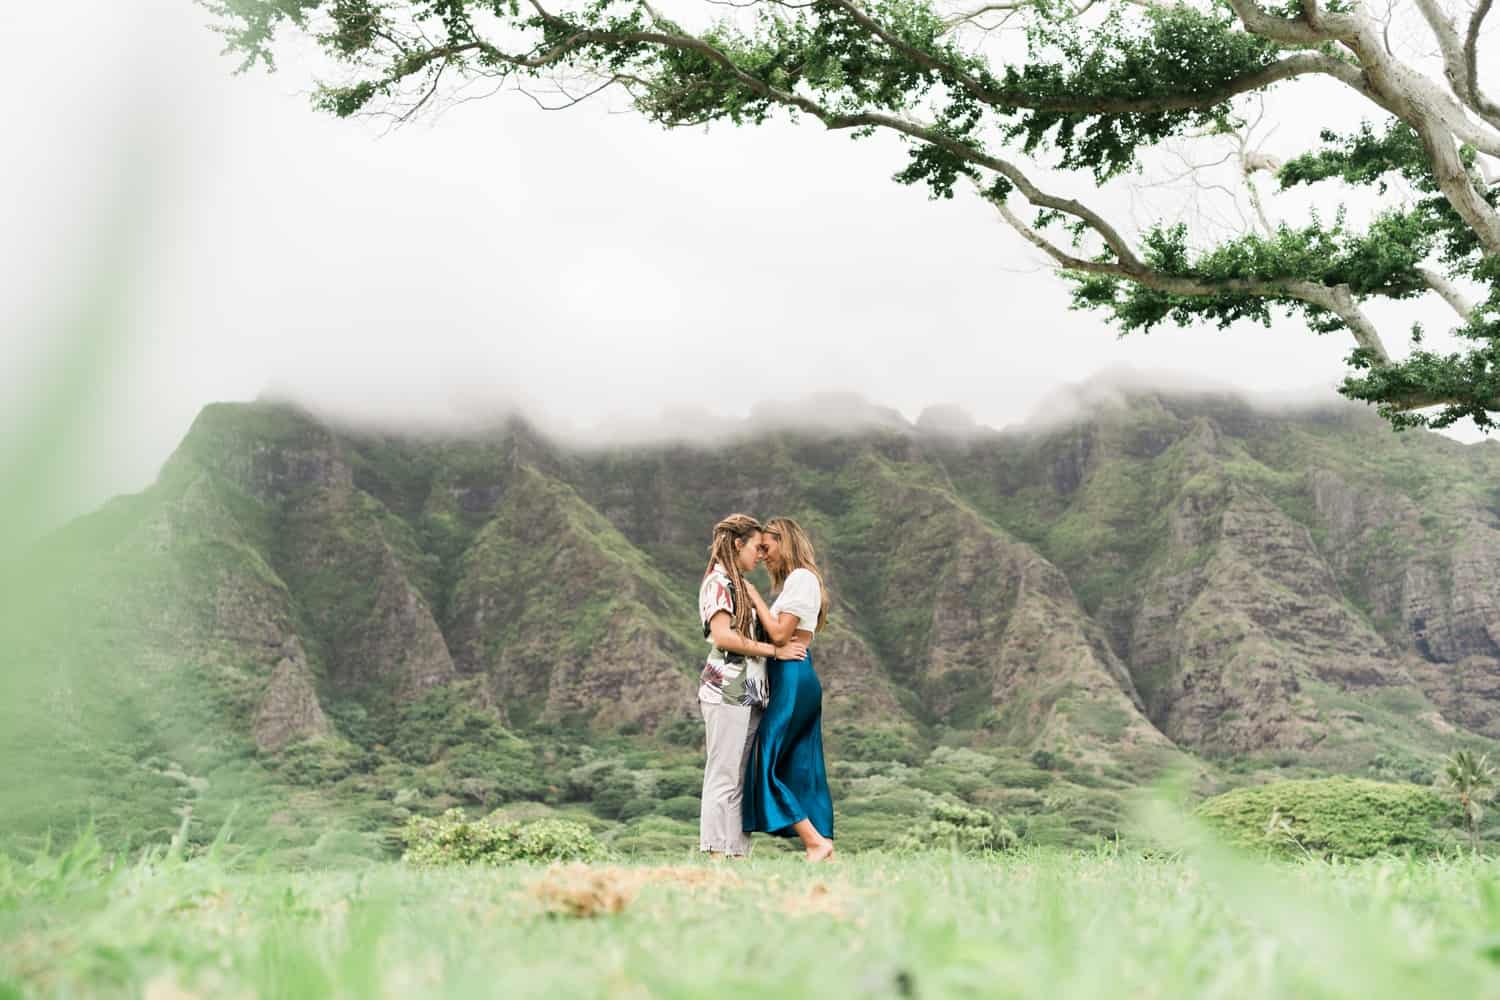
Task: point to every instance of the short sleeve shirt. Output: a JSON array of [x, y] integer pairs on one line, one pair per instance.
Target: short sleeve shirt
[[801, 595], [723, 678]]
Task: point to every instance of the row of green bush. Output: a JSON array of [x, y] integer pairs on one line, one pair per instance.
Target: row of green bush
[[1342, 817]]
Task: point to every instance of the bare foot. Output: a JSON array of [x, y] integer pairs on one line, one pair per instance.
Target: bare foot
[[821, 852]]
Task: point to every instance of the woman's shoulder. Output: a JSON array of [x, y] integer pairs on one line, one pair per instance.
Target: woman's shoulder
[[716, 584], [801, 577]]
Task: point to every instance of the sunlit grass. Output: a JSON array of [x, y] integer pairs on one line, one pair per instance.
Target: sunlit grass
[[1026, 925]]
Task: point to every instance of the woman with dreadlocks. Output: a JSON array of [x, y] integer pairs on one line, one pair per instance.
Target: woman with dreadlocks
[[733, 685], [786, 784]]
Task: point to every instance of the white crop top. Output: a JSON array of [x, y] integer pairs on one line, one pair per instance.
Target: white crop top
[[802, 596]]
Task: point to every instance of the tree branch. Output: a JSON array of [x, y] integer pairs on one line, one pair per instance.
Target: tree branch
[[1384, 80], [1459, 57], [1337, 300], [1301, 64], [1481, 103], [1438, 282], [1251, 161], [1004, 6], [1442, 152], [1438, 121], [1280, 29]]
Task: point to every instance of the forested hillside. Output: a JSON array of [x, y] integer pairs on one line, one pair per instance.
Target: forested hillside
[[332, 629]]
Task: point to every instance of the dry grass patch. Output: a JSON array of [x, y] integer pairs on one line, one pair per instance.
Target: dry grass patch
[[580, 890], [818, 900]]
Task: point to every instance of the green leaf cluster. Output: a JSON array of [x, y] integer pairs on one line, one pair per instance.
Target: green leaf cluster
[[453, 839], [1171, 52]]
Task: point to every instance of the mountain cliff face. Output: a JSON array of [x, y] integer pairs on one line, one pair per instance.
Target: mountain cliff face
[[1308, 584], [1160, 574]]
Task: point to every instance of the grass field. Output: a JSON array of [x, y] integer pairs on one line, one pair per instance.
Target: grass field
[[1207, 924]]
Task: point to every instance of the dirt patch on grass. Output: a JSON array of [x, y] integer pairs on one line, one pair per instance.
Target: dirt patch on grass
[[818, 900], [580, 890]]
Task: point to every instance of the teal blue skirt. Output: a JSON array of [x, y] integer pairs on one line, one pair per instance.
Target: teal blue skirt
[[785, 781]]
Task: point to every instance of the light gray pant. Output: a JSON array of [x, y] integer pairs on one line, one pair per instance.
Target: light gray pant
[[730, 730]]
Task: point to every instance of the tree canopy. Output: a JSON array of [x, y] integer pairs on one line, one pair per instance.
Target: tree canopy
[[1026, 101]]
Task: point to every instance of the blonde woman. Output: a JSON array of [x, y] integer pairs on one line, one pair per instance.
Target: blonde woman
[[786, 783], [731, 691]]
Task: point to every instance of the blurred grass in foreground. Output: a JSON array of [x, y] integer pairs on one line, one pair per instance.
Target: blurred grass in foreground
[[1033, 924], [59, 714]]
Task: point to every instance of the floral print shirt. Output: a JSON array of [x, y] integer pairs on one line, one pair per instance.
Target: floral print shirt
[[723, 679]]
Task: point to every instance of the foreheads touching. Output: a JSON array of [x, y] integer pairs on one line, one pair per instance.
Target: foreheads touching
[[737, 540], [736, 547], [772, 547], [785, 547]]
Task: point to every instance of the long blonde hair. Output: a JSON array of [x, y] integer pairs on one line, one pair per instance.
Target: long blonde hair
[[796, 553], [721, 550]]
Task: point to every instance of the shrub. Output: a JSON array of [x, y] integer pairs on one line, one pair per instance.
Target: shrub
[[683, 733], [616, 790], [854, 743], [453, 839], [446, 727], [960, 828], [1010, 774], [655, 835], [317, 762], [478, 790], [507, 764], [1397, 766], [954, 771], [680, 781], [556, 840], [441, 719], [683, 807], [583, 782], [343, 848], [637, 807], [890, 799], [1346, 817]]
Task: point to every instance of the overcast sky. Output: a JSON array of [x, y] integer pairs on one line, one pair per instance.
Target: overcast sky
[[584, 263]]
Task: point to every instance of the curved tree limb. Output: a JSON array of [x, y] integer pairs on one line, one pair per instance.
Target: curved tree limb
[[1438, 282], [1300, 64], [1288, 31], [1384, 80], [1403, 91], [1482, 104], [1460, 57], [1336, 300]]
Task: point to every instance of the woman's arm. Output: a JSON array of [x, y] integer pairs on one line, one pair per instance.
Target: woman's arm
[[726, 638], [779, 627]]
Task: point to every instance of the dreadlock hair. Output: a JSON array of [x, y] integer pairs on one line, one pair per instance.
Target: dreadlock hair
[[796, 553], [735, 527]]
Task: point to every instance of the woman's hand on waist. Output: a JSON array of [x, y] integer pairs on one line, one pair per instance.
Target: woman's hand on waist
[[796, 649]]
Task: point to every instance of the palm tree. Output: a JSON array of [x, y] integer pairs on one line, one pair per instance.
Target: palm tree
[[1469, 779]]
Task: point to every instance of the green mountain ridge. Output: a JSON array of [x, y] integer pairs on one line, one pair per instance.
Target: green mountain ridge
[[1165, 579]]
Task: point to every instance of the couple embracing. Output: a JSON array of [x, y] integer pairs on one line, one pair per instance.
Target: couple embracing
[[763, 721]]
